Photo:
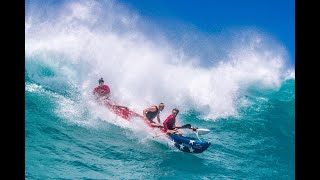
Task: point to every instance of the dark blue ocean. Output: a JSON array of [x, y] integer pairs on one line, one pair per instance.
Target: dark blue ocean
[[246, 99]]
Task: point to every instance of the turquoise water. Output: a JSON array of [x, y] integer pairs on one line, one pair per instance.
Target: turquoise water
[[259, 143], [246, 98]]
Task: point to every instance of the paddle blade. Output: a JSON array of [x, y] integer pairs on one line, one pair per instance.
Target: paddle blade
[[186, 126], [203, 131]]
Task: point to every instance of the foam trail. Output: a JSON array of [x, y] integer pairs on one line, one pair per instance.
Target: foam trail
[[87, 40]]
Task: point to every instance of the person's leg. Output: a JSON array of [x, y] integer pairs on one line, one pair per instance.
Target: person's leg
[[174, 132], [177, 133]]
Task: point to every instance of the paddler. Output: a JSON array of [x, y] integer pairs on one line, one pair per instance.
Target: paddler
[[170, 123], [102, 93], [151, 112]]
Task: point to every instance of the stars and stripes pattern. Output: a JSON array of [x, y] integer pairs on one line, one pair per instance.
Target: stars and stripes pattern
[[187, 144]]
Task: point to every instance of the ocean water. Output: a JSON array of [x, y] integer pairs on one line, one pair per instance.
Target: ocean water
[[246, 100]]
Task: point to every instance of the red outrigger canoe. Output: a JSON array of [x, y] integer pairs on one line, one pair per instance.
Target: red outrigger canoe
[[185, 144]]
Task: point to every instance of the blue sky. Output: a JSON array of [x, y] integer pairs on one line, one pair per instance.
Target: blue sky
[[274, 17]]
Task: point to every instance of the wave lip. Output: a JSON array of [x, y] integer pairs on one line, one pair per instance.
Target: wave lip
[[142, 70]]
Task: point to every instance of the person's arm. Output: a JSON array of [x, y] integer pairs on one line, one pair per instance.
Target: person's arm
[[144, 114], [165, 126], [174, 132], [158, 118], [108, 102], [177, 125], [106, 87], [170, 131], [107, 95]]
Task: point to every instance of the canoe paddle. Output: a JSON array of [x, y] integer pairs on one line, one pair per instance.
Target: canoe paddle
[[185, 126], [200, 131], [197, 131], [188, 126]]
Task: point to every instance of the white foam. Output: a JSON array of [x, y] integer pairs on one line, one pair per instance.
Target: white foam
[[290, 74], [91, 39], [33, 87]]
